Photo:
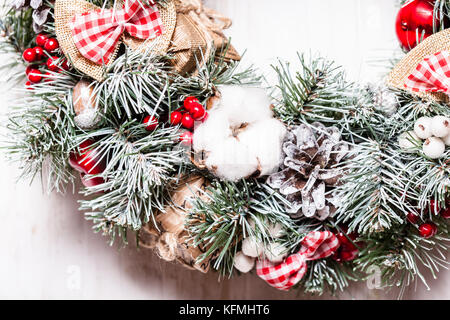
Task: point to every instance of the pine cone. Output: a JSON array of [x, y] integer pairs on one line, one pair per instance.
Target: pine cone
[[40, 12], [311, 168]]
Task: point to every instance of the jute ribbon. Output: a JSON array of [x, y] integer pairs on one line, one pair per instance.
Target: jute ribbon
[[430, 46], [65, 10], [169, 238]]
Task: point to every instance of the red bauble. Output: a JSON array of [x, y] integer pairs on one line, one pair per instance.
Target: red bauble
[[39, 53], [51, 45], [445, 213], [186, 138], [188, 102], [87, 162], [346, 240], [41, 39], [35, 76], [413, 218], [349, 255], [29, 55], [52, 63], [414, 22], [427, 230], [434, 207], [197, 111], [175, 118], [151, 123], [187, 121]]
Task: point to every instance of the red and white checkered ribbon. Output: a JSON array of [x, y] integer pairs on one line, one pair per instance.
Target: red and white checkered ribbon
[[432, 74], [283, 276], [96, 33]]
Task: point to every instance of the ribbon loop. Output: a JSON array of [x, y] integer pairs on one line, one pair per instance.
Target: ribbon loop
[[431, 75], [316, 245], [96, 34]]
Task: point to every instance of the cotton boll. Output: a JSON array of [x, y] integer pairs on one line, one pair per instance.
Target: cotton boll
[[275, 252], [243, 263], [440, 126], [211, 133], [252, 247], [408, 141], [446, 140], [264, 140], [422, 128], [434, 148], [231, 160]]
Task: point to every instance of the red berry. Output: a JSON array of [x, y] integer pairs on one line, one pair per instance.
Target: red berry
[[65, 65], [29, 85], [35, 76], [39, 53], [30, 67], [41, 39], [349, 255], [29, 55], [48, 77], [413, 218], [51, 45], [434, 207], [175, 118], [427, 230], [197, 111], [205, 117], [445, 213], [186, 138], [150, 123], [52, 63], [188, 102], [187, 121]]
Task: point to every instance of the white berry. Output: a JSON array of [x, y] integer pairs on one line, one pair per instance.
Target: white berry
[[252, 247], [408, 141], [434, 148], [423, 128], [243, 263], [446, 140], [275, 230], [275, 252], [440, 126]]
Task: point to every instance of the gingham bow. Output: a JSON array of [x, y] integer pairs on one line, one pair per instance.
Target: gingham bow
[[316, 245], [97, 33], [432, 74]]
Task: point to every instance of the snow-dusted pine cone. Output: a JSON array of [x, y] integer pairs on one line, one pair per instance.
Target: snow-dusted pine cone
[[312, 155], [40, 12]]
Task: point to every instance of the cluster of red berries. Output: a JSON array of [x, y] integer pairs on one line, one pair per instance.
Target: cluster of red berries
[[429, 229], [347, 250], [185, 116], [40, 55]]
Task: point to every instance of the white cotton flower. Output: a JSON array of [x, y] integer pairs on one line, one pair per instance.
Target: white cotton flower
[[240, 138]]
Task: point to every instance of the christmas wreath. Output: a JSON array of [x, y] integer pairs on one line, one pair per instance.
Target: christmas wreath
[[315, 183]]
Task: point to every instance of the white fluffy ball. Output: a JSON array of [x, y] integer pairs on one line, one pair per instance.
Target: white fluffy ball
[[440, 126], [275, 252], [408, 141], [243, 263], [275, 230], [422, 128], [252, 247], [434, 148]]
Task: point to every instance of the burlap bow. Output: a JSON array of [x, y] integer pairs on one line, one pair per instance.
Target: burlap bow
[[66, 10], [407, 67]]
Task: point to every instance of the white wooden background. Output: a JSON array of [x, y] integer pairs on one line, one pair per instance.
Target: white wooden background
[[47, 249]]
